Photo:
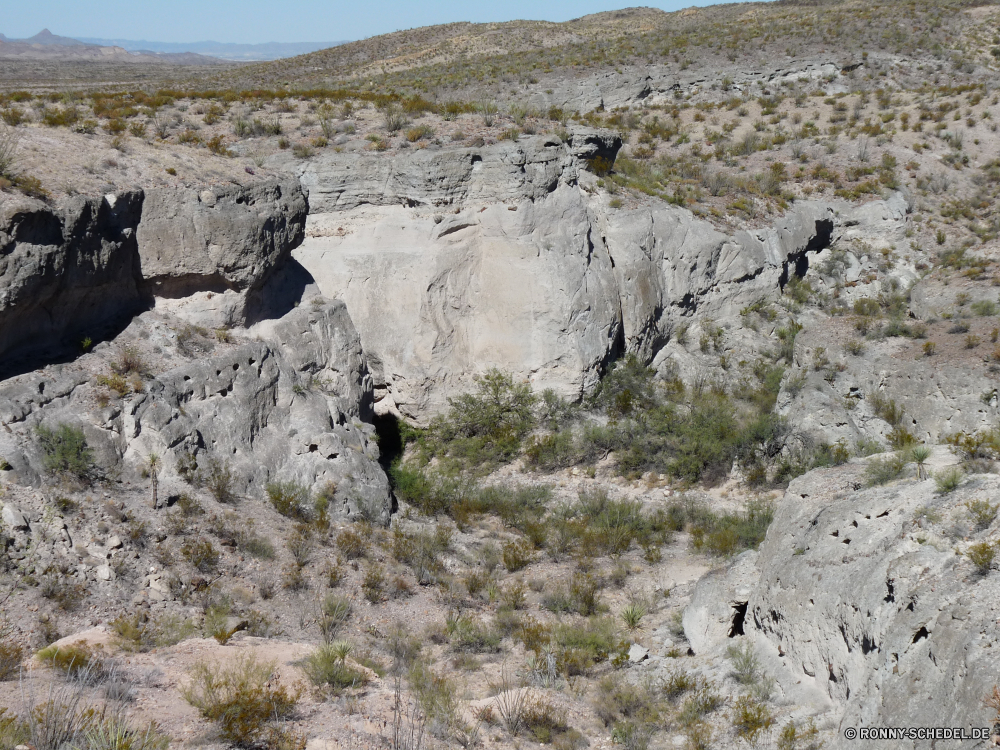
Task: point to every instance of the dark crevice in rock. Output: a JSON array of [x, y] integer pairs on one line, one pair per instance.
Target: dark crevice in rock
[[739, 618], [798, 263]]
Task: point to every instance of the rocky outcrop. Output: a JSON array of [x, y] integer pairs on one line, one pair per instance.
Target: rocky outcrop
[[66, 271], [867, 596], [217, 248], [284, 406], [658, 84], [452, 261]]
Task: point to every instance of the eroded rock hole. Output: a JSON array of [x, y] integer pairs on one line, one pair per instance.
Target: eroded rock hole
[[891, 595], [739, 617], [921, 634]]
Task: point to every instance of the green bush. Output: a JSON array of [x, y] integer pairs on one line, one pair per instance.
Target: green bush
[[881, 471], [982, 513], [290, 499], [981, 555], [948, 480], [66, 452], [728, 534], [468, 634], [487, 426], [751, 718], [201, 554], [75, 660], [241, 697], [327, 667], [219, 481]]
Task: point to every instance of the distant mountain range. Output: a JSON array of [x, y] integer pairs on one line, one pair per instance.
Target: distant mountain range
[[221, 50], [46, 45]]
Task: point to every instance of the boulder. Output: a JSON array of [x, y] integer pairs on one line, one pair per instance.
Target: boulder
[[13, 518], [869, 597]]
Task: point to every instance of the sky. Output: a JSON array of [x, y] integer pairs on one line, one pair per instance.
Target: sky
[[257, 21]]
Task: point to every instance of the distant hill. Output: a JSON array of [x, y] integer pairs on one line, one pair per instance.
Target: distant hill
[[221, 50], [48, 46]]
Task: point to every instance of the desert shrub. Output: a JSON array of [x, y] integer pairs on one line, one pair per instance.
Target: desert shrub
[[10, 140], [77, 660], [67, 594], [201, 554], [11, 653], [111, 730], [793, 737], [746, 665], [352, 544], [582, 595], [435, 693], [373, 584], [139, 633], [300, 544], [981, 555], [334, 613], [327, 667], [618, 699], [883, 470], [486, 426], [982, 513], [219, 480], [948, 480], [419, 132], [255, 545], [632, 735], [66, 452], [469, 634], [544, 722], [728, 534], [242, 697], [13, 731], [516, 555], [294, 579], [420, 551], [982, 444], [581, 646], [751, 718]]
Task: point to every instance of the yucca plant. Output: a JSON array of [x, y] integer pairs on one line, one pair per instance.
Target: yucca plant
[[632, 617]]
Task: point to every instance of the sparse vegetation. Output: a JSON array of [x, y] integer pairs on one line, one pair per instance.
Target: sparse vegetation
[[243, 697], [66, 452]]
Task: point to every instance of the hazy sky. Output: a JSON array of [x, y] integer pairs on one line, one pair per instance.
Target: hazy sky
[[253, 21]]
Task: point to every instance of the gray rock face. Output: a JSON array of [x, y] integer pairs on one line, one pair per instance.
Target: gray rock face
[[861, 595], [68, 270], [286, 406], [224, 241], [527, 270], [504, 172], [284, 409], [65, 271]]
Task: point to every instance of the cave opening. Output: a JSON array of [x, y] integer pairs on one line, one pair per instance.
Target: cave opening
[[739, 617]]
